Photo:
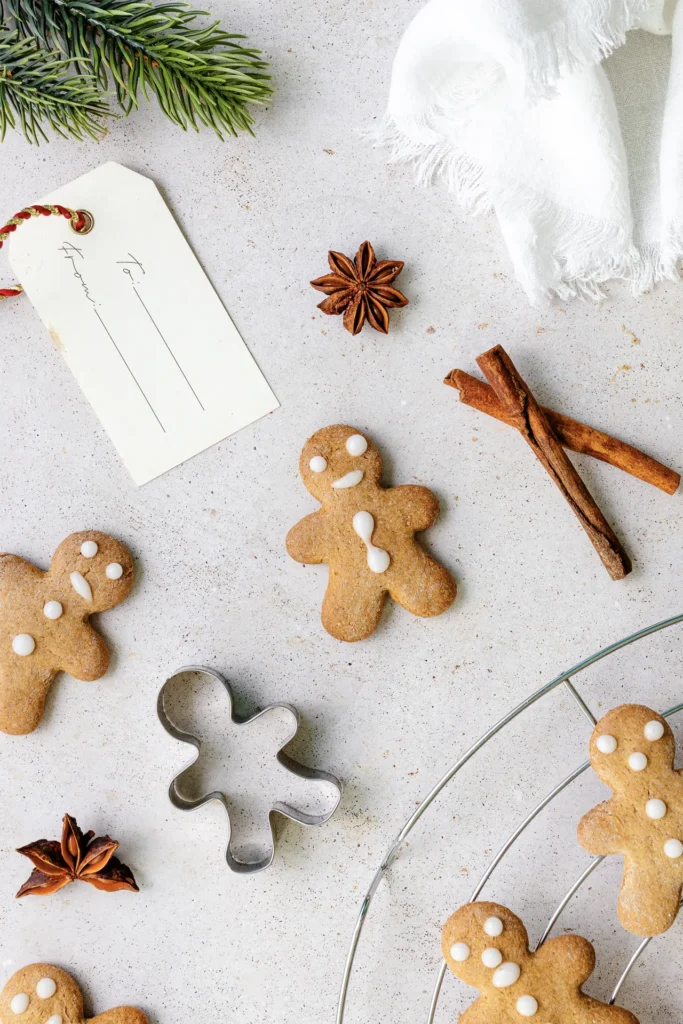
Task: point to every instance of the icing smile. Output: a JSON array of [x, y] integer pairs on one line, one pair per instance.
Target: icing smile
[[350, 479], [81, 586]]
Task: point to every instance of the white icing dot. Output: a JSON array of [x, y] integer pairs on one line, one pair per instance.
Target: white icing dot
[[460, 952], [46, 988], [318, 464], [89, 549], [492, 957], [20, 1003], [81, 586], [506, 975], [52, 610], [527, 1006], [606, 744], [54, 1019], [356, 445], [654, 731], [673, 848], [655, 809], [493, 926], [114, 571], [637, 762], [23, 644]]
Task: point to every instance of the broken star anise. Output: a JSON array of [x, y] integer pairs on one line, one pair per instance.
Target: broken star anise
[[361, 289], [77, 857]]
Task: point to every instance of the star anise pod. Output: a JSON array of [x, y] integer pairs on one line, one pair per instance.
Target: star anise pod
[[77, 857], [361, 289]]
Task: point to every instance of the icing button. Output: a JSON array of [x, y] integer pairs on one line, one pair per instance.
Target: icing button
[[673, 848], [23, 644], [114, 571], [606, 744], [492, 957], [493, 926], [52, 610], [460, 952], [89, 549], [637, 762], [527, 1006], [655, 809], [54, 1019], [46, 988], [506, 975], [653, 731], [20, 1003]]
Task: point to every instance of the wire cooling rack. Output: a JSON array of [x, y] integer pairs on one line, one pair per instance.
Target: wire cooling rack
[[392, 853]]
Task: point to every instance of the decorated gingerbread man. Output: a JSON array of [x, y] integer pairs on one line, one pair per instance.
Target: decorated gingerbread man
[[42, 994], [366, 534], [632, 750], [44, 625], [487, 946]]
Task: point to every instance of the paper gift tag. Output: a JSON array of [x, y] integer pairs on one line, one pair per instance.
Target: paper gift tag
[[139, 323]]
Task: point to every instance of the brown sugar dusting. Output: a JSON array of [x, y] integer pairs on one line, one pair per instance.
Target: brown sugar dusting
[[56, 340]]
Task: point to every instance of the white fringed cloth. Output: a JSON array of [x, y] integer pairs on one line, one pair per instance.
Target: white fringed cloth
[[582, 162]]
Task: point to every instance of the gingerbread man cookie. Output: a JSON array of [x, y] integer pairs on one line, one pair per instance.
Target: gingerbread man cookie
[[632, 750], [366, 534], [42, 994], [487, 946], [44, 625]]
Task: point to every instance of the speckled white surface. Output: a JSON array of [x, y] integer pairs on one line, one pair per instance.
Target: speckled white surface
[[216, 586]]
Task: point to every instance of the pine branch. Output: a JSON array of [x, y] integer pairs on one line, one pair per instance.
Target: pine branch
[[36, 90], [198, 74]]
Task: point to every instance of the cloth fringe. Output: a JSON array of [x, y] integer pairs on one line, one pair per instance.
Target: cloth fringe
[[577, 42], [586, 253], [642, 269], [432, 162]]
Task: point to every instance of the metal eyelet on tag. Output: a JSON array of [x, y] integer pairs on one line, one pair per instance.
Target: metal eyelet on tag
[[88, 223]]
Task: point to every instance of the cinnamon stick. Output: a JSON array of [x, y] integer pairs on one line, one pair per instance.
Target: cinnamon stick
[[572, 434], [519, 404]]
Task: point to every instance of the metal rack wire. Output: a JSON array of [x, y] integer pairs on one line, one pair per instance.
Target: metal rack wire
[[392, 853]]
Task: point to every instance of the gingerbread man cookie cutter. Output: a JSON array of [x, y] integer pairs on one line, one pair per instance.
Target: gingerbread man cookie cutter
[[44, 626], [246, 857]]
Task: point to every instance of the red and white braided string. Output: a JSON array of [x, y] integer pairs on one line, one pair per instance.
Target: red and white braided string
[[76, 218]]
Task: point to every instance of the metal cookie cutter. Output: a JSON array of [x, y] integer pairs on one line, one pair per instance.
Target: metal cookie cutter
[[290, 775]]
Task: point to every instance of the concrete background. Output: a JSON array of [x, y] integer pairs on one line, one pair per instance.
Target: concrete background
[[215, 585]]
